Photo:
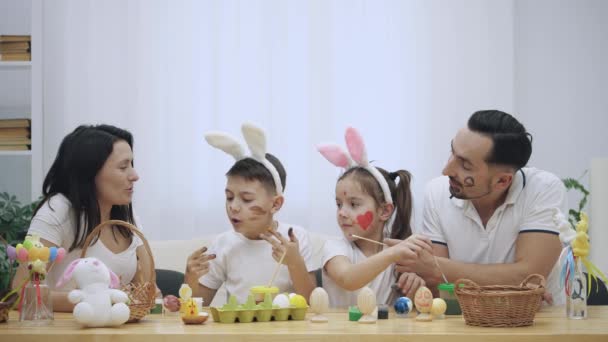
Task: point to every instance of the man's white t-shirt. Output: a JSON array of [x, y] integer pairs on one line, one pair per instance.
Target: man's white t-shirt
[[241, 263], [530, 206], [55, 222], [341, 298]]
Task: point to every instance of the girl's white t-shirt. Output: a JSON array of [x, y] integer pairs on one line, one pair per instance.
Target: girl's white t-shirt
[[55, 222], [341, 298]]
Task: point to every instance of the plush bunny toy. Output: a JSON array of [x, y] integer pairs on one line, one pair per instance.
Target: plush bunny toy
[[95, 297]]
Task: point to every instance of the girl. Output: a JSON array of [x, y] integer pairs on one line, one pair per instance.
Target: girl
[[370, 205], [91, 181]]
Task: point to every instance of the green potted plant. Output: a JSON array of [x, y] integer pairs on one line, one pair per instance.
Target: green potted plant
[[14, 221], [574, 215]]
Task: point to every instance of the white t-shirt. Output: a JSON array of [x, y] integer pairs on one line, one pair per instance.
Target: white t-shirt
[[242, 263], [341, 298], [57, 226], [528, 208]]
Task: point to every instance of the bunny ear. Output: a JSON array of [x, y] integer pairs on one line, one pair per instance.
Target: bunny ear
[[356, 147], [335, 155], [114, 280], [256, 140], [226, 143], [67, 275]]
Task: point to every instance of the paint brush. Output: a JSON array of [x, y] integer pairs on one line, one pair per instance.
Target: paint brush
[[370, 240], [440, 271], [276, 270]]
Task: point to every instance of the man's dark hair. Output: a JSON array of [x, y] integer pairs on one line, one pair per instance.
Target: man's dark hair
[[512, 144], [250, 169]]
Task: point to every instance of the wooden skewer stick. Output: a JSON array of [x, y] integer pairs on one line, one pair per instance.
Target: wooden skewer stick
[[370, 240], [442, 275], [276, 270]]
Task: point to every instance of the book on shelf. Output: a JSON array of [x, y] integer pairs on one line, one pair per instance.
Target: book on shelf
[[14, 148], [16, 56], [15, 141], [16, 132], [13, 47], [15, 38], [14, 123]]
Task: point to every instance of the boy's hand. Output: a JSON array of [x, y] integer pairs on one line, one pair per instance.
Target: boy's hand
[[281, 245], [197, 266], [408, 283]]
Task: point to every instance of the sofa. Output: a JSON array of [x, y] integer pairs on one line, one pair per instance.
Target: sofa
[[172, 255]]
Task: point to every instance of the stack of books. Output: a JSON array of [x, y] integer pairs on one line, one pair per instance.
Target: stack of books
[[15, 48], [15, 135]]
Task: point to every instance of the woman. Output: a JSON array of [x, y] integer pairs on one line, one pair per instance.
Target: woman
[[91, 181]]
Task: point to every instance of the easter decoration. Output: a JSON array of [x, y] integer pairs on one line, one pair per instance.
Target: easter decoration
[[319, 303], [423, 300], [34, 295], [189, 309], [282, 308], [403, 306], [438, 308], [366, 301], [98, 303], [574, 256]]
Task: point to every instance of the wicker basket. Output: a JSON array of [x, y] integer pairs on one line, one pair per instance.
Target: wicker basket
[[500, 305], [141, 291], [5, 307]]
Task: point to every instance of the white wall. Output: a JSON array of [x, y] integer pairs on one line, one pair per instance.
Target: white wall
[[561, 88]]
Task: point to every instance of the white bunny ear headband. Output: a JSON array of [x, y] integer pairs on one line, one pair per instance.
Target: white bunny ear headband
[[256, 140], [357, 158]]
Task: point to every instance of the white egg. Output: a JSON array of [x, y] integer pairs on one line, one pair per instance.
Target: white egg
[[281, 301]]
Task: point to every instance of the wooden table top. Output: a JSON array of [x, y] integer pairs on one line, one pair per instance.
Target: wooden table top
[[550, 325]]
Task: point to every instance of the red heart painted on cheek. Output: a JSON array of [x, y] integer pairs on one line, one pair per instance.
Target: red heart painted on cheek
[[365, 220]]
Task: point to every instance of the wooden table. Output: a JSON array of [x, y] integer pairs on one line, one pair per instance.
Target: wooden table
[[550, 325]]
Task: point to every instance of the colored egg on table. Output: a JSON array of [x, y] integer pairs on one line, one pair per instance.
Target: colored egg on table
[[403, 305], [298, 301], [439, 306]]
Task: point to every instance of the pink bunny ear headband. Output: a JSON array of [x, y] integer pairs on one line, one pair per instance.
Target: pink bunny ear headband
[[256, 140], [357, 158]]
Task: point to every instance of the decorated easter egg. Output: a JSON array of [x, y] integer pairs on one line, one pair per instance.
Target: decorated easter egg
[[297, 300], [366, 300], [27, 244], [52, 253], [44, 253], [281, 300], [403, 305], [423, 299], [34, 253], [438, 307], [60, 254], [11, 252], [22, 254], [319, 300]]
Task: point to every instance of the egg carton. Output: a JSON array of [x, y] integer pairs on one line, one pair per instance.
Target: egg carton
[[251, 312]]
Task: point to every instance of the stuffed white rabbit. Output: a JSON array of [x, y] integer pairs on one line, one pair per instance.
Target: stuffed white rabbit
[[97, 303]]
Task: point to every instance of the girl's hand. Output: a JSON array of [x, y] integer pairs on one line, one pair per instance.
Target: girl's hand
[[197, 266], [281, 245], [409, 283], [171, 303]]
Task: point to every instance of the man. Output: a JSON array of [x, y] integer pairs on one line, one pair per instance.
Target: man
[[489, 217]]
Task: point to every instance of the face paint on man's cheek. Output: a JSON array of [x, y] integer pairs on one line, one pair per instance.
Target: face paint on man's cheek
[[469, 181]]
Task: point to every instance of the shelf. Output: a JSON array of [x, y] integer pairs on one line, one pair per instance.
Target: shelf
[[15, 65], [16, 153]]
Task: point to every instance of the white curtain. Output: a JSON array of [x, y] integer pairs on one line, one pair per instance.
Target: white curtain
[[407, 74]]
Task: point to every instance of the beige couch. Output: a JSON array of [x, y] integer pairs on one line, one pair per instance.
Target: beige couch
[[172, 255]]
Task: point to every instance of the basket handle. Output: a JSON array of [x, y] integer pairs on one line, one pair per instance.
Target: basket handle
[[97, 231], [528, 282], [465, 282]]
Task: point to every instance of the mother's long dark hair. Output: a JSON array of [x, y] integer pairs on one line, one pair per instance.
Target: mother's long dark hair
[[81, 156]]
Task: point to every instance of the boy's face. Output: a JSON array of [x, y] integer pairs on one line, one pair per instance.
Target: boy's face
[[357, 212], [250, 206]]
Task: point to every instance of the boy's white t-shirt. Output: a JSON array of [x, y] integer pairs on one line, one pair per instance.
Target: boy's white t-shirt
[[341, 298], [242, 263], [55, 222]]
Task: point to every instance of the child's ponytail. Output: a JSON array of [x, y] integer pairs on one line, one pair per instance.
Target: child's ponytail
[[402, 199]]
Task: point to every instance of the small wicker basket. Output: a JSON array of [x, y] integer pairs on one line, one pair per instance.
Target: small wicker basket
[[500, 305], [141, 291], [6, 306]]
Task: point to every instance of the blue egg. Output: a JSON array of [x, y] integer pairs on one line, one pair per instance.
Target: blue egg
[[403, 305]]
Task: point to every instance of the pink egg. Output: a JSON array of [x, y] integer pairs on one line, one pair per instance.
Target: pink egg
[[22, 255], [60, 254]]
